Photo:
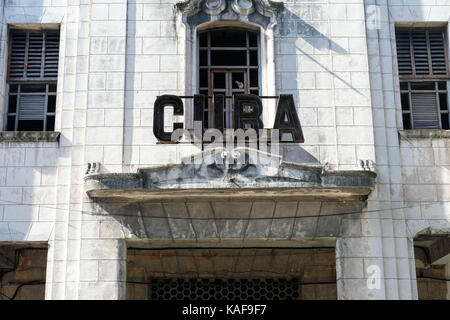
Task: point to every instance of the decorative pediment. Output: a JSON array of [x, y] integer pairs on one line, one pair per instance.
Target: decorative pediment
[[241, 173], [266, 8]]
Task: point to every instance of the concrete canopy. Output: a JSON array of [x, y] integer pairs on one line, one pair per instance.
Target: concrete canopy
[[242, 173]]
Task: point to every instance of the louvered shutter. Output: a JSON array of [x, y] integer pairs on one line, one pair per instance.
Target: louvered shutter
[[17, 61], [437, 48], [420, 47], [425, 112], [34, 55], [35, 49], [421, 52], [31, 107], [51, 54], [404, 53]]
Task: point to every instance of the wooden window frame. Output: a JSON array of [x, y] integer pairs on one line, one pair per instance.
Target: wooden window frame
[[25, 80], [228, 68]]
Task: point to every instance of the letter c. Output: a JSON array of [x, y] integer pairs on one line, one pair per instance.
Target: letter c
[[158, 117]]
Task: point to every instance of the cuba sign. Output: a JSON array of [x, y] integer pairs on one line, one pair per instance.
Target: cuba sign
[[246, 115]]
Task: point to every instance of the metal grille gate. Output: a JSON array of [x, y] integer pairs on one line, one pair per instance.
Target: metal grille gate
[[223, 289]]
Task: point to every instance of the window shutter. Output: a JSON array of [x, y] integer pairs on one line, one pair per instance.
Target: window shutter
[[17, 61], [404, 53], [421, 52], [421, 63], [34, 55], [425, 112], [51, 55], [31, 108], [35, 49], [437, 48]]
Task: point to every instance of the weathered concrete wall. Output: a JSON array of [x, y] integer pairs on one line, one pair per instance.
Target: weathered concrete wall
[[28, 170], [396, 162], [116, 57], [321, 58], [426, 176], [28, 183]]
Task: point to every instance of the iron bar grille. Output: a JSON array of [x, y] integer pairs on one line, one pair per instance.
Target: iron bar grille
[[224, 289], [424, 105]]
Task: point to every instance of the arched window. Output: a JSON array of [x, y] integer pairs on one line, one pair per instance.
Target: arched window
[[228, 64], [225, 22]]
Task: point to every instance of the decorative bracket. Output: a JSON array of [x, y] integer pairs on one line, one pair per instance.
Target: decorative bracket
[[93, 168]]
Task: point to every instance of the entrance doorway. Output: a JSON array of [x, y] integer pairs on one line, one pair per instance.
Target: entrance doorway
[[227, 274]]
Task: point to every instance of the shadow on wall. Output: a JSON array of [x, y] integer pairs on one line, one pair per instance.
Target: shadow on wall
[[230, 220], [304, 69], [134, 109], [301, 47], [291, 27]]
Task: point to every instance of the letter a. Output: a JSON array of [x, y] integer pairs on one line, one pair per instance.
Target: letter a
[[286, 119]]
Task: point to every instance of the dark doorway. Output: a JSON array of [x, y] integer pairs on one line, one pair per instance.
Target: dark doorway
[[226, 274], [22, 271], [432, 260]]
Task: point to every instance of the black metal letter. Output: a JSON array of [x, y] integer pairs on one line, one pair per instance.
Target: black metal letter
[[158, 117], [247, 112], [219, 101], [199, 114], [286, 119]]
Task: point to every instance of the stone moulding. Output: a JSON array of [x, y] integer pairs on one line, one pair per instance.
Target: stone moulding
[[424, 134], [274, 179], [29, 136]]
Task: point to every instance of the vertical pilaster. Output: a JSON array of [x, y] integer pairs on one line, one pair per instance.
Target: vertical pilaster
[[58, 261], [378, 264], [102, 258]]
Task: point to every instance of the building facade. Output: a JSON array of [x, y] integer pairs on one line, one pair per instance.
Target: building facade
[[99, 201]]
